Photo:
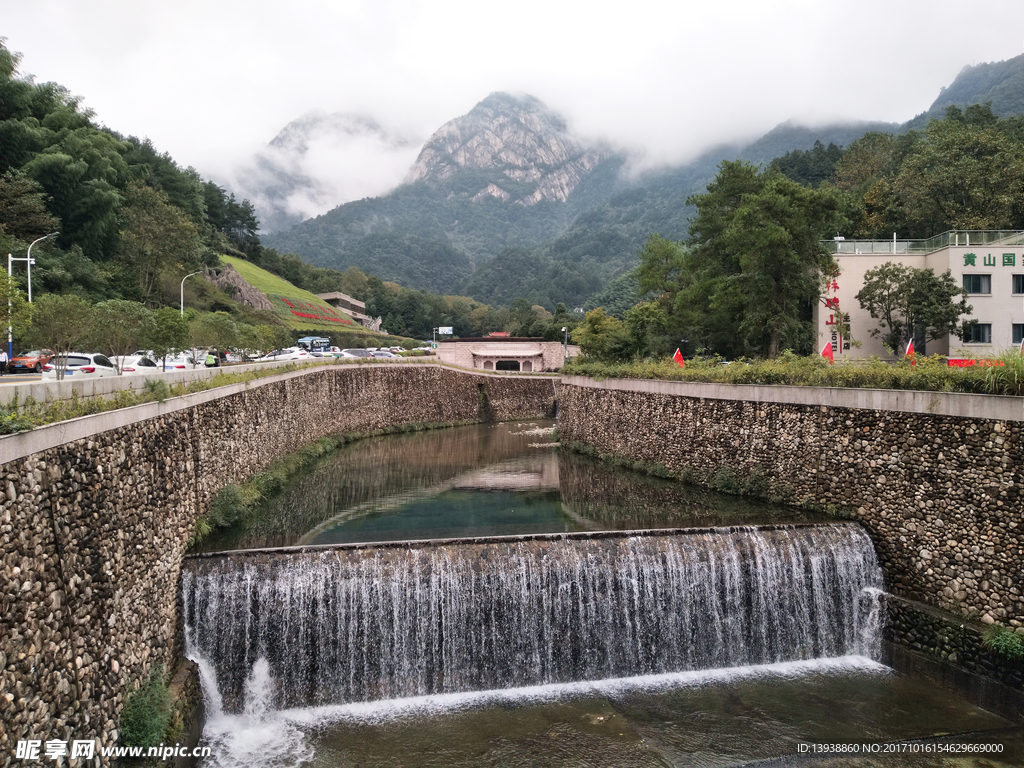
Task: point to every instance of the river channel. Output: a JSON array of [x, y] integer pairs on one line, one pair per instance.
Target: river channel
[[476, 596]]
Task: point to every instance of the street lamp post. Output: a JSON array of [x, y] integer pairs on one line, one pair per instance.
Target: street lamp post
[[182, 301], [29, 261], [565, 344], [28, 258]]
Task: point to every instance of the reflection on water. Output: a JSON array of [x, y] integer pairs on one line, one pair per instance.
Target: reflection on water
[[480, 480]]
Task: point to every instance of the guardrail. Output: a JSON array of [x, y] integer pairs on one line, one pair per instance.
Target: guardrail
[[51, 391]]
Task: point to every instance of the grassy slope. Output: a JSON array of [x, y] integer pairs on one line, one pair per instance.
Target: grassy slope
[[276, 287]]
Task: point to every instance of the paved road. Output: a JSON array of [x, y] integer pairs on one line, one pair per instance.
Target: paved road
[[20, 378]]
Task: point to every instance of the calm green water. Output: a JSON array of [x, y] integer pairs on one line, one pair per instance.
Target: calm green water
[[481, 480]]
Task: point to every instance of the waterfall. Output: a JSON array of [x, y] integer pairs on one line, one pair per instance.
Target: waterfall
[[367, 623]]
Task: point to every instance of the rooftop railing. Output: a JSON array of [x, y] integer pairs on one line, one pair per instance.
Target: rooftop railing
[[952, 238]]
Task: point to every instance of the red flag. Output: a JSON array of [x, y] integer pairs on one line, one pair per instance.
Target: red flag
[[826, 352], [678, 357], [910, 352]]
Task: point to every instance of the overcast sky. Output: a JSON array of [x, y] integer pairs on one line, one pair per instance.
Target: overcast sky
[[212, 81]]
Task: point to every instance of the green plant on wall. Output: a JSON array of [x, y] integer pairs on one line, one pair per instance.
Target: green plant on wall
[[147, 712], [1004, 641]]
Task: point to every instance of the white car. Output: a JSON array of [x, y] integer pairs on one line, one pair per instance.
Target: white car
[[177, 362], [384, 353], [139, 364], [292, 353], [82, 365]]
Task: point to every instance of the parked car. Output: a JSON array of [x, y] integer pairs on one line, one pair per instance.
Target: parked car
[[82, 365], [292, 353], [239, 356], [35, 360], [180, 361], [139, 364], [356, 352], [384, 353]]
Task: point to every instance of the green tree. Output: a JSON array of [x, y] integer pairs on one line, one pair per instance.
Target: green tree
[[81, 173], [121, 327], [273, 337], [967, 173], [812, 167], [60, 323], [168, 333], [912, 303], [23, 213], [755, 264], [156, 237], [662, 268], [648, 328], [602, 336], [212, 330]]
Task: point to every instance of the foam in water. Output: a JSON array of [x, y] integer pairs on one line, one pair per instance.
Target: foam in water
[[337, 627], [282, 738], [259, 735]]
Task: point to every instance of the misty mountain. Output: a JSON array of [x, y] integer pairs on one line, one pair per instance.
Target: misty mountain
[[318, 161], [508, 174], [999, 82], [506, 202], [522, 148]]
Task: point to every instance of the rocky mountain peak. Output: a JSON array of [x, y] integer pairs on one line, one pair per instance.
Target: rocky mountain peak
[[525, 149]]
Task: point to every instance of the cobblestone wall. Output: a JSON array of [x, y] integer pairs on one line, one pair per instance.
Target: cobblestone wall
[[93, 530], [954, 654], [941, 495]]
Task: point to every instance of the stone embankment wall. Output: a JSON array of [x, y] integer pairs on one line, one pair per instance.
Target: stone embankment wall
[[96, 513], [963, 661], [936, 479]]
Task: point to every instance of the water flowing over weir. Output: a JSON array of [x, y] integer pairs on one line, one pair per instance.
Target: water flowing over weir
[[376, 622]]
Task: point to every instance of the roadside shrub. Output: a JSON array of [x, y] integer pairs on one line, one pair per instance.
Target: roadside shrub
[[158, 388], [1008, 378], [13, 421], [930, 374]]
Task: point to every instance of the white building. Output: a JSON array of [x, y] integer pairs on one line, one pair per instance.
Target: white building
[[989, 264], [505, 354]]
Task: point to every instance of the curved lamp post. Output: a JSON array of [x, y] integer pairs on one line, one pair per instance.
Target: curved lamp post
[[10, 263], [182, 302]]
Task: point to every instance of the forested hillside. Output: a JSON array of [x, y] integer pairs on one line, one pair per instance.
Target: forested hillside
[[127, 217], [510, 223], [999, 83], [116, 226], [463, 226], [746, 280]]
